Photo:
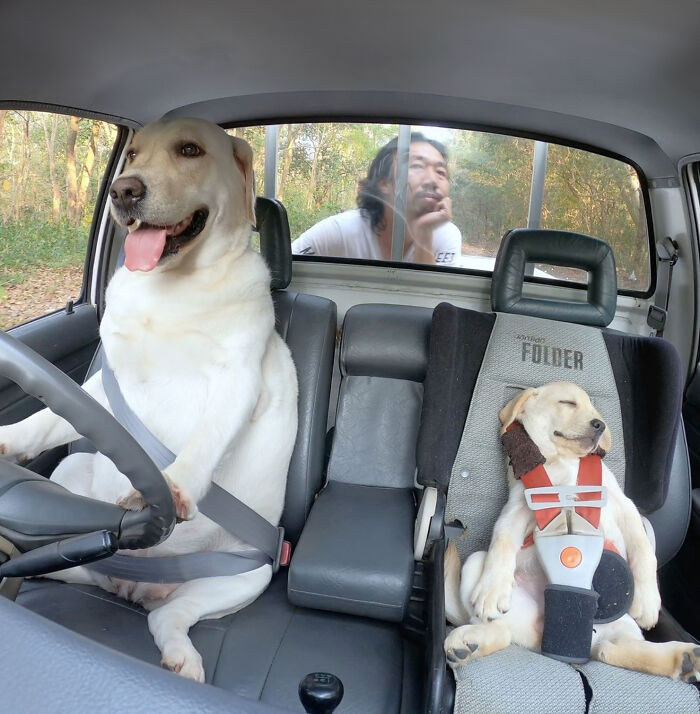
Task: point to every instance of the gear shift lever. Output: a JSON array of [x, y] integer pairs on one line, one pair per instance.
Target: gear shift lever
[[320, 692]]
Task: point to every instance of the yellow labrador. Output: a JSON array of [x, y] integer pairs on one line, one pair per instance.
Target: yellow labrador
[[498, 598], [189, 333]]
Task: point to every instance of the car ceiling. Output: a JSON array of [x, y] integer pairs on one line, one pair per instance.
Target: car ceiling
[[618, 75]]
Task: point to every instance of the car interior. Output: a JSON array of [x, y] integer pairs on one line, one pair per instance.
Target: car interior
[[397, 363]]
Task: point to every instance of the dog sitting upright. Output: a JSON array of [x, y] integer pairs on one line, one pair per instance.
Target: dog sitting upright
[[189, 332], [500, 593]]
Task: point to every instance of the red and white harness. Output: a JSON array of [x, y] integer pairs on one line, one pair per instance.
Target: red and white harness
[[567, 535]]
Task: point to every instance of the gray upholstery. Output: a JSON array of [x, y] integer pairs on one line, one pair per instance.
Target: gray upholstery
[[516, 680], [354, 555], [275, 240], [386, 341], [534, 245], [671, 521], [378, 421], [259, 653], [307, 324], [619, 690], [74, 675], [383, 358]]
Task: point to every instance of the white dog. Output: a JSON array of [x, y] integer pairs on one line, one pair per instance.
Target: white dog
[[189, 333], [501, 593]]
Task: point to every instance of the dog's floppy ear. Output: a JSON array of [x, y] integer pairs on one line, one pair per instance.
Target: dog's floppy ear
[[511, 411], [243, 155]]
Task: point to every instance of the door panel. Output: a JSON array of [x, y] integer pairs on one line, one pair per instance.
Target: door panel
[[68, 340]]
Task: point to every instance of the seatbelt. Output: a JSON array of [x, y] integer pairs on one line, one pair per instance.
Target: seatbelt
[[666, 257], [264, 542]]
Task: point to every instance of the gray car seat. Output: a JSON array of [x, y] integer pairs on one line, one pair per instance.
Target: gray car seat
[[264, 651], [477, 363]]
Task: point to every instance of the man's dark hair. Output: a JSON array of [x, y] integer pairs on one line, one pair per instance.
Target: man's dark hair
[[370, 199]]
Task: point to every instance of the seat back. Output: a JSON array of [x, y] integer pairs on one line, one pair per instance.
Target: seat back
[[355, 554], [383, 358], [636, 383]]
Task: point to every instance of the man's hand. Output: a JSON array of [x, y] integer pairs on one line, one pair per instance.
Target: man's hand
[[421, 230]]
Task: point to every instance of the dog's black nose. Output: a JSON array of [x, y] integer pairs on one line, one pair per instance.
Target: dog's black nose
[[127, 191], [597, 424]]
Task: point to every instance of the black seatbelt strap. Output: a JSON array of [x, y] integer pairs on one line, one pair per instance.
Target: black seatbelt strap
[[666, 258]]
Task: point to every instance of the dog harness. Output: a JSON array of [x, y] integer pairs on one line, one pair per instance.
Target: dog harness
[[589, 581], [265, 543], [567, 536]]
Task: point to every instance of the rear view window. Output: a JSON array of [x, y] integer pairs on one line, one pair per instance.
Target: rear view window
[[445, 197]]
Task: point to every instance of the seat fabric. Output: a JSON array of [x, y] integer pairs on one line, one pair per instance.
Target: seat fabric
[[262, 652]]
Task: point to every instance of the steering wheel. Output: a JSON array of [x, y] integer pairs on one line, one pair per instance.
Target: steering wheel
[[35, 512]]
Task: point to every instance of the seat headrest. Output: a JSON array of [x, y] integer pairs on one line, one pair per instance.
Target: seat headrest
[[275, 240], [565, 248]]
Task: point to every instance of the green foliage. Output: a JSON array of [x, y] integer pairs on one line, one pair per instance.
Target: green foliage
[[36, 243]]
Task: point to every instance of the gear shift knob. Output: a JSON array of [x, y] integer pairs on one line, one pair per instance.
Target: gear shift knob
[[320, 692]]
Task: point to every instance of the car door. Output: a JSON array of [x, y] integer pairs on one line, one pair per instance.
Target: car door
[[54, 168]]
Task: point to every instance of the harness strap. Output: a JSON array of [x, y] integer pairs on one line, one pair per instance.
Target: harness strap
[[265, 542], [590, 473]]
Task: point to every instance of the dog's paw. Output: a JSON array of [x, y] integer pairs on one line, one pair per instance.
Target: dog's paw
[[183, 659], [687, 663], [471, 642], [133, 501], [462, 645], [646, 605], [185, 507], [9, 445], [492, 595]]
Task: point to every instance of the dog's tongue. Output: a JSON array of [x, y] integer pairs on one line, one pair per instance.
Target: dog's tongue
[[143, 248]]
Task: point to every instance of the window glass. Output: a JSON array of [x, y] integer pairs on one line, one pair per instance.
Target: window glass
[[602, 197], [51, 166], [319, 167], [445, 197]]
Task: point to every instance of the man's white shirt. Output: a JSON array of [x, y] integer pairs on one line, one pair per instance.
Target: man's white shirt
[[350, 235]]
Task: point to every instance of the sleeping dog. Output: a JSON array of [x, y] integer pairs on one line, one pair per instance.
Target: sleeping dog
[[499, 597], [189, 331]]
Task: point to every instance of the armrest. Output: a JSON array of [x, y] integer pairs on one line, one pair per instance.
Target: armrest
[[355, 554]]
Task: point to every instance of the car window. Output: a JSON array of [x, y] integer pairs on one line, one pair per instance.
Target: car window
[[51, 166], [454, 192]]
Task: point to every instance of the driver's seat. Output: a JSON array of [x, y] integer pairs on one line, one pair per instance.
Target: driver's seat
[[264, 651]]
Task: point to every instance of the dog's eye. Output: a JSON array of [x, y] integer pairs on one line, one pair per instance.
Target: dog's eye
[[191, 150], [571, 404], [131, 154]]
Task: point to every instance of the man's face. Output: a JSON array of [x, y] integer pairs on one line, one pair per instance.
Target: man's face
[[428, 179]]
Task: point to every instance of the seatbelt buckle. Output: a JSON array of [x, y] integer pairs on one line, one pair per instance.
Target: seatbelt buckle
[[284, 552], [569, 559], [656, 317], [667, 251]]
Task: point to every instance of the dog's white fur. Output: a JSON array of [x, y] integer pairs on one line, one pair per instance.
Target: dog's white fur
[[193, 346], [499, 598]]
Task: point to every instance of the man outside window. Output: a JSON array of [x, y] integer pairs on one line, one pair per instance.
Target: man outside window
[[366, 232]]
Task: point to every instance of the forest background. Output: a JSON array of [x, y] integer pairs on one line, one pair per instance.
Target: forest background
[[51, 168]]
